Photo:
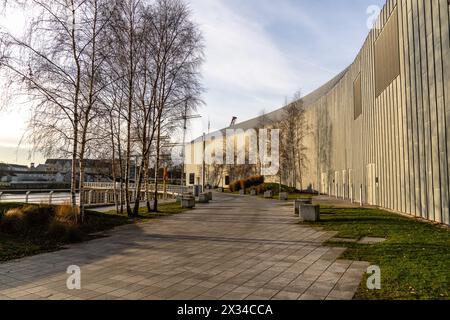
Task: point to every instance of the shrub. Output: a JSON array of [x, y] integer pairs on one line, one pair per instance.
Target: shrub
[[42, 222], [56, 230], [256, 181], [66, 214], [12, 221], [235, 186], [37, 216], [61, 232], [245, 184], [73, 234]]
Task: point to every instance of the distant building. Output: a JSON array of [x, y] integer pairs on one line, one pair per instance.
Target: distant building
[[96, 170], [380, 130], [54, 171], [13, 173]]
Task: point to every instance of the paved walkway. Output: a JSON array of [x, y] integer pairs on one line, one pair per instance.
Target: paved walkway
[[142, 204], [233, 248]]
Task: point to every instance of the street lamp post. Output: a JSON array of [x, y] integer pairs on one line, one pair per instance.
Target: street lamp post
[[183, 153], [204, 163]]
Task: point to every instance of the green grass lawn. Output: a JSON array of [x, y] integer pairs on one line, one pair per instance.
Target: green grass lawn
[[414, 261], [18, 246], [291, 196], [294, 196]]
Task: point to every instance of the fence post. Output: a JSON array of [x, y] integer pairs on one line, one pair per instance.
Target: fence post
[[90, 196], [1, 193], [106, 197], [50, 197], [27, 195]]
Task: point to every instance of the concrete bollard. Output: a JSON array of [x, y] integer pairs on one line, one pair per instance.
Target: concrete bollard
[[268, 194], [298, 203], [203, 198], [309, 213], [253, 192], [242, 192], [188, 202], [284, 196]]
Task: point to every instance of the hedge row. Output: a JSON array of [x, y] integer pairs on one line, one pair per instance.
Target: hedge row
[[53, 223], [274, 187], [246, 183]]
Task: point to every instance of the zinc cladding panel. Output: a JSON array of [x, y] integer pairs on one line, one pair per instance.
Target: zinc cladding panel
[[357, 96], [387, 54]]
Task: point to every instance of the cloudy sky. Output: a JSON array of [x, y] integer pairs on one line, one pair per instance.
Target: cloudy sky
[[258, 53]]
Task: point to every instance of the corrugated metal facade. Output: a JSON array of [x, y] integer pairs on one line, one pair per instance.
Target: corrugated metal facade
[[395, 154], [397, 151]]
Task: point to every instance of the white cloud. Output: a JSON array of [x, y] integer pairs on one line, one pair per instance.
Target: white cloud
[[238, 51], [244, 71]]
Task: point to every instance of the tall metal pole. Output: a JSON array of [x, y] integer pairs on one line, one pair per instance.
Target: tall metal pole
[[183, 153], [204, 163]]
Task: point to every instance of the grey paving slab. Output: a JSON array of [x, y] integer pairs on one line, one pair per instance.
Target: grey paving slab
[[371, 240], [233, 248]]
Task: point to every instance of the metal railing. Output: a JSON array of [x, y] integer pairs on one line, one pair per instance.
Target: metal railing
[[95, 193], [36, 196], [169, 189]]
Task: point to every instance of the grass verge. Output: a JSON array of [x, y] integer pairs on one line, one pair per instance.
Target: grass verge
[[414, 260]]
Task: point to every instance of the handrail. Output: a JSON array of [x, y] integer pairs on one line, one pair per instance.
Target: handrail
[[36, 198], [33, 190], [175, 189], [97, 193]]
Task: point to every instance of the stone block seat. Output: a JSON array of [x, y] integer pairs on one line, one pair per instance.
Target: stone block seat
[[298, 203], [268, 194], [203, 198], [188, 202], [309, 213]]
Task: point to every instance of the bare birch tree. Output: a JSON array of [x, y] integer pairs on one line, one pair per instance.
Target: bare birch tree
[[293, 152], [179, 47], [106, 78], [46, 66]]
